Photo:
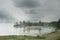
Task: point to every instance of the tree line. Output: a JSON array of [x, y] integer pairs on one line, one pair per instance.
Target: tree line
[[28, 23]]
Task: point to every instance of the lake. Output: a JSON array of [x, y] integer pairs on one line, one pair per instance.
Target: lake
[[8, 29]]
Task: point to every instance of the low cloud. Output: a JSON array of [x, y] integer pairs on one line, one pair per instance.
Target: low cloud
[[44, 10], [27, 3], [6, 17]]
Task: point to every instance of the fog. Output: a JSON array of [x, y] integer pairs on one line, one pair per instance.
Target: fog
[[12, 11]]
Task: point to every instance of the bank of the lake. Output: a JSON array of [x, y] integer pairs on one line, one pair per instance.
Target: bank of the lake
[[50, 36]]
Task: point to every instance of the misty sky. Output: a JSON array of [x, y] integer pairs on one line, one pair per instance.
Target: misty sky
[[33, 10]]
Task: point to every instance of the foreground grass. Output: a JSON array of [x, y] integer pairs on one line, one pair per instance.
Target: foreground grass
[[51, 36], [21, 38]]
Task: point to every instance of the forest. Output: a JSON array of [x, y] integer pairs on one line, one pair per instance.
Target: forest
[[39, 23]]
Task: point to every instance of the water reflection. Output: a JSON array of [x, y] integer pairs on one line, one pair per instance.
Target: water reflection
[[8, 29], [39, 31]]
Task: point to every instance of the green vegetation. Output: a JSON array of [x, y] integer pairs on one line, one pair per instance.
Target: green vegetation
[[20, 38], [28, 23], [53, 36]]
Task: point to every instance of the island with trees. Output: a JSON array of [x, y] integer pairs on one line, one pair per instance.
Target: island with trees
[[39, 23]]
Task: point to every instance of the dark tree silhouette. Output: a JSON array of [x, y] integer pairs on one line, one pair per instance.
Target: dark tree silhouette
[[58, 24]]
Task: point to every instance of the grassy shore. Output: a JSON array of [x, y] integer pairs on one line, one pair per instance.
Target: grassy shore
[[51, 36]]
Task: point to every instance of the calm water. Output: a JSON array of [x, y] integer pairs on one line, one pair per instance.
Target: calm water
[[8, 29]]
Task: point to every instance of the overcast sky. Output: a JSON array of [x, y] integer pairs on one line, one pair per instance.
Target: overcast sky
[[33, 10]]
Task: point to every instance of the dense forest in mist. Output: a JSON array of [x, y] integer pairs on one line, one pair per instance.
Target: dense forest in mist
[[39, 23]]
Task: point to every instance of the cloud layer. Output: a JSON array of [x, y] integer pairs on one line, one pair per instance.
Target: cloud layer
[[33, 10], [27, 3], [45, 10], [6, 17]]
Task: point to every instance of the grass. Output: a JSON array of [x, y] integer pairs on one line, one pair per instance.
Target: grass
[[19, 38], [51, 36]]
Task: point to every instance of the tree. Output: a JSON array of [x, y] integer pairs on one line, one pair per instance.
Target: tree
[[16, 24], [58, 24]]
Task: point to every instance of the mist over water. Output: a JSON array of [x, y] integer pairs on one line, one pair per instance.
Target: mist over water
[[34, 10], [8, 29]]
